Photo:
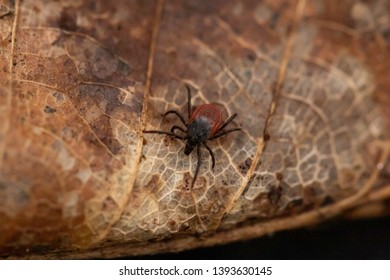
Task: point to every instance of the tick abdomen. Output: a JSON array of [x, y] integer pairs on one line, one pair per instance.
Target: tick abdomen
[[211, 114]]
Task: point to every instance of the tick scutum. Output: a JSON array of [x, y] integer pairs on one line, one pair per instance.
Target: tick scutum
[[198, 132]]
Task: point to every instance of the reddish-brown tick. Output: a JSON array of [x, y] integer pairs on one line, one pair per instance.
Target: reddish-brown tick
[[205, 123]]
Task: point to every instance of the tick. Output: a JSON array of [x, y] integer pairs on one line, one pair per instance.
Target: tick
[[204, 123]]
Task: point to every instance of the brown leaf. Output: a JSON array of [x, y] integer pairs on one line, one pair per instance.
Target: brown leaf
[[81, 80]]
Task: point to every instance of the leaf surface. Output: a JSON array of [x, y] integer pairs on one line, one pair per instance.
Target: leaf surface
[[81, 80]]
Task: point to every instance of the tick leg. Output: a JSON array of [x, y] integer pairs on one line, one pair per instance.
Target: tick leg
[[221, 133], [189, 102], [167, 133], [173, 128], [177, 114], [211, 154], [197, 166], [227, 121]]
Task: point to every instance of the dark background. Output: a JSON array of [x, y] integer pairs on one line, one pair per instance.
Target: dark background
[[362, 239]]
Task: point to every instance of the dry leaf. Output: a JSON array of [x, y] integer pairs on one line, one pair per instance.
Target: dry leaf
[[80, 81]]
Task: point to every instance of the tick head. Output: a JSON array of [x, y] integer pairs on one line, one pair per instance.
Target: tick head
[[189, 147]]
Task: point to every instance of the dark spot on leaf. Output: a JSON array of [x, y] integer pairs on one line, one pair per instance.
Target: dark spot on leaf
[[309, 194], [266, 137], [103, 130], [275, 194], [49, 110], [327, 201], [294, 204], [67, 20], [167, 140], [279, 176], [124, 68], [154, 184], [187, 180], [173, 226], [108, 204], [243, 167], [58, 96], [386, 34], [7, 10], [251, 57], [274, 20]]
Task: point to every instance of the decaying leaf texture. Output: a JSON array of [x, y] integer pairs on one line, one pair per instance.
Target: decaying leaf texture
[[81, 80]]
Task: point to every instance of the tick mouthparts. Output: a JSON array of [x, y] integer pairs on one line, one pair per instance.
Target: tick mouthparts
[[188, 149]]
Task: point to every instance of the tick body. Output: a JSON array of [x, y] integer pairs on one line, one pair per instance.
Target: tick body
[[204, 123]]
